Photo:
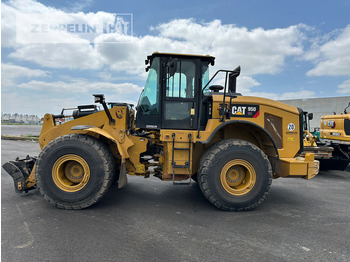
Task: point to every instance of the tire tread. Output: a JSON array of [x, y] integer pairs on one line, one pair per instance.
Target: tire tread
[[207, 161], [100, 149]]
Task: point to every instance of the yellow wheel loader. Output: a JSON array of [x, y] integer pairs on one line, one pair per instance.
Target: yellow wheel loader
[[185, 129], [333, 141]]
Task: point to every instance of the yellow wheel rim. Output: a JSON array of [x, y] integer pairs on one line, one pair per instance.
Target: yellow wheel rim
[[70, 173], [238, 177]]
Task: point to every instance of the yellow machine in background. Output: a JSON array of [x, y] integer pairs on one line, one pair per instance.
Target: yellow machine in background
[[336, 128], [331, 143], [335, 133], [185, 129]]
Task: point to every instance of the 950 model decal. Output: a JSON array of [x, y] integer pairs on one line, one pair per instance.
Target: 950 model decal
[[240, 110]]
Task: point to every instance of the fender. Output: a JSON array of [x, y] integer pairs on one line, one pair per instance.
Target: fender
[[242, 122], [122, 148]]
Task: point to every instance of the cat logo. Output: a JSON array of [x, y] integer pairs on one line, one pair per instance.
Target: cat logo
[[240, 110], [331, 124]]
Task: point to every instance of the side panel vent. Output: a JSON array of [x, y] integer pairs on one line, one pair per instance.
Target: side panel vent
[[273, 125]]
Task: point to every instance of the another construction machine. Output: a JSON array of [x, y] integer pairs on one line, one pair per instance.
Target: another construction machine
[[332, 138], [336, 128], [185, 129]]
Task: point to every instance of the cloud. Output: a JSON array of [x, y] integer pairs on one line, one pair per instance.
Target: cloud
[[82, 86], [15, 71], [71, 56], [52, 49], [344, 88], [79, 5], [258, 51], [38, 96], [11, 73], [53, 96], [331, 58], [246, 85], [10, 11], [38, 104]]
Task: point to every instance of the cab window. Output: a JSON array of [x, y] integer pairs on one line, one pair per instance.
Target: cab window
[[148, 103], [181, 84]]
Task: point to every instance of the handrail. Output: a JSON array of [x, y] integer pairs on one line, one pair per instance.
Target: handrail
[[201, 96]]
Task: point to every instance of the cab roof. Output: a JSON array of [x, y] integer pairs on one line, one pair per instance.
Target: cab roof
[[208, 58]]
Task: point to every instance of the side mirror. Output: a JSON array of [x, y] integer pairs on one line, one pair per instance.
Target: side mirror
[[232, 79], [311, 116], [172, 66], [99, 98]]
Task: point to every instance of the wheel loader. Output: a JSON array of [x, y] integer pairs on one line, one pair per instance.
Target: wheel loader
[[331, 144], [185, 128]]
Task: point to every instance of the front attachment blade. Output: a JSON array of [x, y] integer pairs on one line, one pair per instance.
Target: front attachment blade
[[20, 170]]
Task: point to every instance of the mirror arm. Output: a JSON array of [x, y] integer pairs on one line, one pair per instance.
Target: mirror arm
[[100, 98]]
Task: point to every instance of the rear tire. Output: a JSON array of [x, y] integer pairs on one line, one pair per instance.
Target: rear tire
[[235, 175], [74, 171]]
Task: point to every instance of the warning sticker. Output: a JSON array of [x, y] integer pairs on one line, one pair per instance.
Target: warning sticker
[[291, 127], [240, 110]]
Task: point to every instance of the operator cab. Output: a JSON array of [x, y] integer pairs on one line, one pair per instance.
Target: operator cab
[[171, 97]]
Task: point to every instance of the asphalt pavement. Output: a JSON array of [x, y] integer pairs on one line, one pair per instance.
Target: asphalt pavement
[[151, 220]]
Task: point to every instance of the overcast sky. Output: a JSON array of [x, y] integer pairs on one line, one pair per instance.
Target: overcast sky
[[286, 49]]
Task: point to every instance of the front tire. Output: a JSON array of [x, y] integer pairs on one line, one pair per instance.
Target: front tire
[[235, 175], [74, 171]]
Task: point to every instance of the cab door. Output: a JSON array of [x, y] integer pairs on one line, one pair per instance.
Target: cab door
[[179, 105]]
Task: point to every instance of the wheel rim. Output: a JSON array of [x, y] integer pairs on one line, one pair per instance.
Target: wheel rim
[[70, 173], [238, 177]]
